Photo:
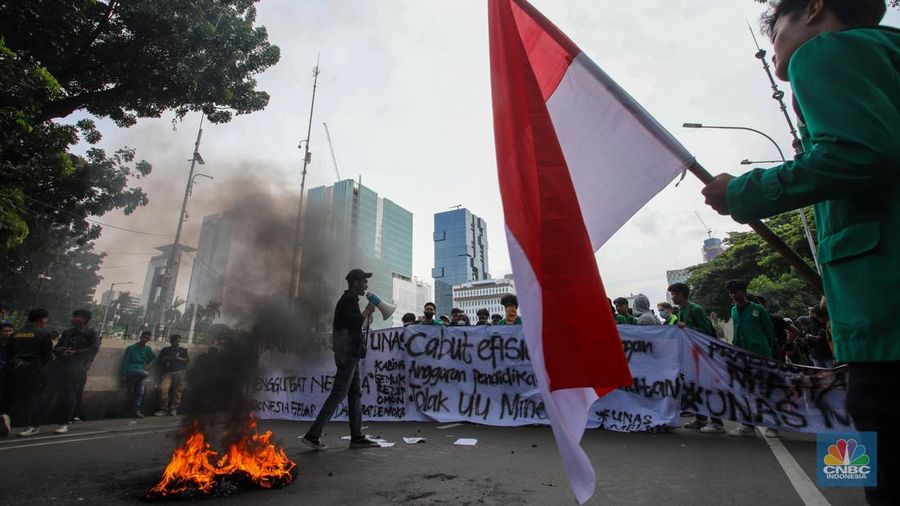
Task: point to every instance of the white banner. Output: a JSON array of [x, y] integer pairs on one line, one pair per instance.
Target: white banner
[[482, 374]]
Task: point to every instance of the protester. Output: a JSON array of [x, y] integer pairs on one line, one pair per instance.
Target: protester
[[667, 313], [458, 317], [795, 346], [483, 317], [844, 75], [30, 351], [510, 304], [445, 320], [135, 369], [173, 360], [817, 340], [753, 331], [624, 316], [692, 316], [645, 315], [80, 331], [6, 332], [428, 319], [495, 319], [779, 329], [349, 348], [408, 319]]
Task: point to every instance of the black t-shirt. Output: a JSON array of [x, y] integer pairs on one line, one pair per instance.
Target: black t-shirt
[[31, 344], [82, 341], [348, 323], [167, 360]]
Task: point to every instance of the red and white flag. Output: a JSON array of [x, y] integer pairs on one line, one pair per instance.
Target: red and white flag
[[576, 157]]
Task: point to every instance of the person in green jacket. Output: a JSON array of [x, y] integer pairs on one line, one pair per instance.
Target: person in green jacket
[[667, 313], [844, 71], [135, 369], [623, 317], [510, 305], [753, 331]]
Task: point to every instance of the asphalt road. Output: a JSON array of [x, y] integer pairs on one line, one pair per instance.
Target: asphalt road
[[116, 461]]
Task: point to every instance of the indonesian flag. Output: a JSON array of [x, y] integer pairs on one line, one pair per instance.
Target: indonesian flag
[[576, 158]]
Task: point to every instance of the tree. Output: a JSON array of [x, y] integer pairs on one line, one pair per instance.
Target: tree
[[121, 60], [749, 258]]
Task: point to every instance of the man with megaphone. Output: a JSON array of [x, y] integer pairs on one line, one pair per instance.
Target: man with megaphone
[[349, 348]]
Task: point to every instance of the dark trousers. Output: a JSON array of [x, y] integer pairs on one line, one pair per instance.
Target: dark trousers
[[346, 384], [25, 382], [135, 381], [873, 403], [59, 393]]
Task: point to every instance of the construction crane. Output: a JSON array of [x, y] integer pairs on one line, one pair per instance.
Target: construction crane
[[331, 147], [708, 230]]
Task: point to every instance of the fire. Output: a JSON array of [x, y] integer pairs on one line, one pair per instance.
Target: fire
[[250, 455]]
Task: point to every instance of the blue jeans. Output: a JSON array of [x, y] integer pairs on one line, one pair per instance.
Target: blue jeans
[[134, 385], [346, 384]]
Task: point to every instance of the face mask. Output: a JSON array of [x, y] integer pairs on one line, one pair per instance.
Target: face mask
[[663, 313]]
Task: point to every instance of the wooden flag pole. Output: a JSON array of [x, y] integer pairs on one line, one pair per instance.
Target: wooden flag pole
[[796, 261]]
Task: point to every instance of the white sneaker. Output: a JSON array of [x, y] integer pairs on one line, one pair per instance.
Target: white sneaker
[[695, 423], [29, 431], [770, 433], [712, 428], [743, 431], [161, 412], [61, 429]]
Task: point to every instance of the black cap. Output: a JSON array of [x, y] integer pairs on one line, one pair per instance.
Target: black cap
[[357, 274]]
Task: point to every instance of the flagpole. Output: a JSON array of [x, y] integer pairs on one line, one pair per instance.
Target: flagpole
[[790, 256]]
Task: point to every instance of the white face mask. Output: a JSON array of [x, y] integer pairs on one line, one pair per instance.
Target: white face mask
[[664, 313]]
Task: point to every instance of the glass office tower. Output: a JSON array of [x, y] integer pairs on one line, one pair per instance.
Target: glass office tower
[[460, 254]]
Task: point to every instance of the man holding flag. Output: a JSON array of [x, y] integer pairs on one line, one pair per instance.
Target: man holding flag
[[563, 130], [843, 69]]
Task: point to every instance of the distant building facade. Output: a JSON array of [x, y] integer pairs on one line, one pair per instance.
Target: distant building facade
[[460, 254], [348, 226], [486, 294], [410, 296]]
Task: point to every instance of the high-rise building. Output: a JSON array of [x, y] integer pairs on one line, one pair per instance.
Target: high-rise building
[[410, 296], [712, 248], [460, 254], [152, 295], [349, 226], [241, 263], [470, 297]]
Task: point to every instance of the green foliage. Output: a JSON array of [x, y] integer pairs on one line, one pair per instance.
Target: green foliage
[[750, 259], [138, 58]]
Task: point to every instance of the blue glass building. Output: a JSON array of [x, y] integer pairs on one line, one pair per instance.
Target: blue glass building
[[460, 254], [348, 226]]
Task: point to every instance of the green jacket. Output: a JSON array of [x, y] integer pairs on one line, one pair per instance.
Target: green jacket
[[753, 330], [517, 322], [626, 320], [695, 318], [137, 358], [671, 320], [847, 89]]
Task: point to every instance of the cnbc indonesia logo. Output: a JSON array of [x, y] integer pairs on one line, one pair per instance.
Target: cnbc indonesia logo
[[846, 460]]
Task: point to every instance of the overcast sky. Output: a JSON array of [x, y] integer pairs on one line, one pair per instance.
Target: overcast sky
[[405, 90]]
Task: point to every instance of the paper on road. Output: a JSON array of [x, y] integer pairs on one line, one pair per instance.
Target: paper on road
[[464, 441]]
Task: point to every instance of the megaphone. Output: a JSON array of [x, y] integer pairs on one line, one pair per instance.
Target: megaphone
[[386, 309]]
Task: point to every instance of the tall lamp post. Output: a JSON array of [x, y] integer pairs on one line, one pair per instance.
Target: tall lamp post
[[809, 237], [106, 312]]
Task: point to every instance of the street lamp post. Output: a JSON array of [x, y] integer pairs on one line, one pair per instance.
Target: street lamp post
[[106, 312], [809, 237]]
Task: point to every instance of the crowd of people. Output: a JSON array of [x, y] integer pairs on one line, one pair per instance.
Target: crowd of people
[[458, 317], [43, 372]]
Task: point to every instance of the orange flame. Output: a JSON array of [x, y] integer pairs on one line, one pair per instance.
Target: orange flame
[[252, 455]]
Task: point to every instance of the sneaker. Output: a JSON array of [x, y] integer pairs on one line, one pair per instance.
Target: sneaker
[[363, 442], [695, 423], [5, 426], [173, 412], [770, 433], [743, 431], [161, 412], [138, 414], [77, 420], [61, 429], [712, 428], [30, 431], [313, 442]]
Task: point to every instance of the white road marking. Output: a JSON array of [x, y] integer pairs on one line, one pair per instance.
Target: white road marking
[[806, 489], [106, 435], [51, 436], [450, 426]]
